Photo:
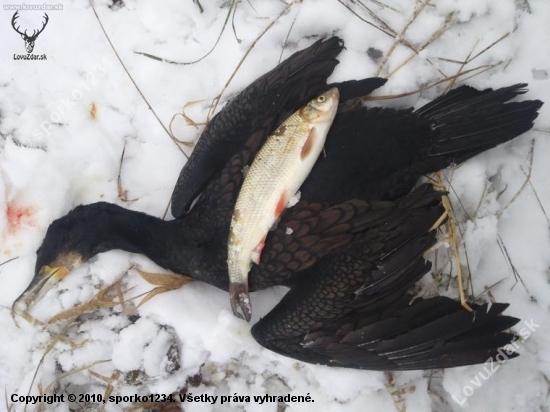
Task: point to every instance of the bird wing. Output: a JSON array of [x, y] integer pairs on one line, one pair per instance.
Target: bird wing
[[311, 230], [351, 309], [272, 97], [308, 231], [413, 334], [379, 153], [250, 117]]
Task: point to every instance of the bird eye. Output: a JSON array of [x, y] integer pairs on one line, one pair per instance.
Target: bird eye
[[321, 99]]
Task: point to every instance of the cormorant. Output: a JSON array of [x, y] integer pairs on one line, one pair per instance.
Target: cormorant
[[353, 245]]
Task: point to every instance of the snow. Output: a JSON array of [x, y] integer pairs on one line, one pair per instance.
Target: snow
[[65, 121]]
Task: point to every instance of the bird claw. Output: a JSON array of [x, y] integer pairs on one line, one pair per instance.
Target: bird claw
[[240, 301]]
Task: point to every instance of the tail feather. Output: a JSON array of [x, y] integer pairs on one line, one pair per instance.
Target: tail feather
[[467, 97], [466, 122], [379, 153]]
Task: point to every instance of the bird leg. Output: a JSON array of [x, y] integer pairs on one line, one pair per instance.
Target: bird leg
[[164, 282]]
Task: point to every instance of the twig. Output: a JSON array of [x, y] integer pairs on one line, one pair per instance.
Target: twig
[[233, 25], [166, 210], [53, 342], [231, 7], [488, 288], [480, 203], [9, 260], [9, 406], [218, 97], [73, 371], [109, 389], [199, 5], [400, 36], [383, 5], [451, 187], [530, 158], [492, 44], [508, 259], [480, 72], [538, 199], [462, 237], [189, 121], [422, 89], [386, 30], [287, 36], [133, 81], [452, 229], [471, 58], [122, 193], [366, 21], [452, 83], [435, 36], [376, 17]]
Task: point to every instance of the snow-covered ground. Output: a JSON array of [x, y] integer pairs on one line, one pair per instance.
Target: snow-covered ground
[[65, 121]]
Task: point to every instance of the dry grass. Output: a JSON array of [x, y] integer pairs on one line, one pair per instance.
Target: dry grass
[[63, 328], [232, 8], [453, 230], [216, 99], [398, 394], [121, 192], [135, 84], [114, 295]]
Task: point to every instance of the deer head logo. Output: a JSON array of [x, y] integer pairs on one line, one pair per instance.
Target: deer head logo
[[29, 40]]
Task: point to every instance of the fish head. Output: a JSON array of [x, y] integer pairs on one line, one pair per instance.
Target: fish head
[[322, 107]]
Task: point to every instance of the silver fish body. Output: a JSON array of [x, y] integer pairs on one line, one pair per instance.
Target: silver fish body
[[276, 174]]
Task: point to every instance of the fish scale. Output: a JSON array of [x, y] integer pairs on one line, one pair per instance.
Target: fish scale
[[276, 174]]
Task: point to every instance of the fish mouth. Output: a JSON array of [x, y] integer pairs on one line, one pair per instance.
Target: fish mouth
[[333, 93], [47, 277], [240, 299]]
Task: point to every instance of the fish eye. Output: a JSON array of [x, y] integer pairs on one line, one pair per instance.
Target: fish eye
[[321, 99]]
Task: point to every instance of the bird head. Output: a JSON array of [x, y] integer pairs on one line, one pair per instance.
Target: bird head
[[70, 241]]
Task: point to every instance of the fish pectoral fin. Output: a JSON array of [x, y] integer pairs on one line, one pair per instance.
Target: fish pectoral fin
[[309, 143]]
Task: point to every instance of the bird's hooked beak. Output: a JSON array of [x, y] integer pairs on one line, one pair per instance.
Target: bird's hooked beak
[[47, 277]]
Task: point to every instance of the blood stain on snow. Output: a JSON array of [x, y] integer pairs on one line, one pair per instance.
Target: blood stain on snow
[[19, 216]]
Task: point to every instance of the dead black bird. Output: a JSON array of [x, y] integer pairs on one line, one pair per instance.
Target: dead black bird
[[350, 248]]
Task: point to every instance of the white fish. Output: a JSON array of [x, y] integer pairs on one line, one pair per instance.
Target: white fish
[[277, 172]]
